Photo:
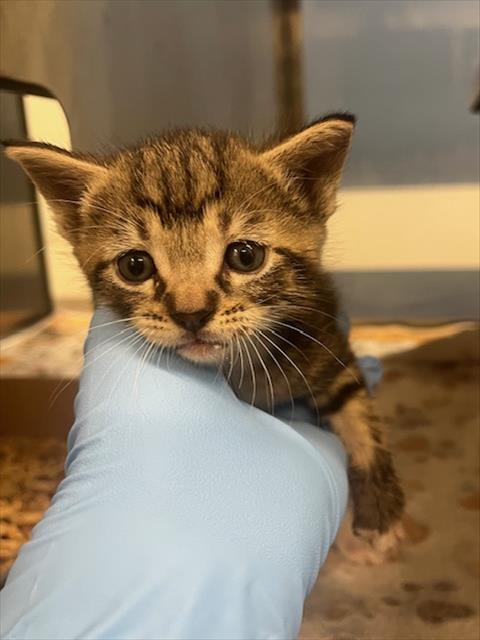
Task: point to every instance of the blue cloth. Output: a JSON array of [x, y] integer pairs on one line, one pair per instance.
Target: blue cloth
[[184, 513]]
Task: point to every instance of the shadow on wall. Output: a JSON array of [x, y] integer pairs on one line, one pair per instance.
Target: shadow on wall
[[123, 70]]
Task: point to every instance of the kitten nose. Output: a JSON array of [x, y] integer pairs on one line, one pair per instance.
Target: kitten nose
[[192, 321]]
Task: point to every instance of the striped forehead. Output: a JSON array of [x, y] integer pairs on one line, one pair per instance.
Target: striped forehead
[[190, 193], [202, 239], [198, 245], [177, 181]]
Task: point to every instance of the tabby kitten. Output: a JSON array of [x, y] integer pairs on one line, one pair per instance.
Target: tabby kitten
[[213, 248]]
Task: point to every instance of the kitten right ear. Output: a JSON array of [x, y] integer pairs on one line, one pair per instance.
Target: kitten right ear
[[315, 157], [60, 176]]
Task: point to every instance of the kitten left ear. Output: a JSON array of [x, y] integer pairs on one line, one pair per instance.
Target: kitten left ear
[[315, 158], [62, 178]]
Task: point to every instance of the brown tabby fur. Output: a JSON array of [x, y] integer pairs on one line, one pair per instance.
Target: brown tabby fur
[[183, 197]]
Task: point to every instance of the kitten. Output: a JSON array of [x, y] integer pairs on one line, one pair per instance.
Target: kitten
[[213, 248]]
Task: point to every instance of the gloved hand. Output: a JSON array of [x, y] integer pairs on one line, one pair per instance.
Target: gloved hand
[[184, 513]]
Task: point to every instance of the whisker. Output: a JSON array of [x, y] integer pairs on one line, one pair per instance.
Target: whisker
[[307, 335], [34, 255], [107, 324], [231, 361], [267, 373], [278, 335], [252, 371], [287, 381], [307, 384], [136, 339], [242, 368], [148, 348], [320, 311], [242, 205], [57, 392], [280, 313]]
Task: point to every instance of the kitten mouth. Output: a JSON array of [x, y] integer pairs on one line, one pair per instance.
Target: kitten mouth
[[200, 350]]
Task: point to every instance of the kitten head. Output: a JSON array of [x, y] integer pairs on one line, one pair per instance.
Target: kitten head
[[202, 239]]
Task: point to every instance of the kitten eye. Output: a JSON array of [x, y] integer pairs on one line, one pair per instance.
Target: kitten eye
[[245, 256], [136, 266]]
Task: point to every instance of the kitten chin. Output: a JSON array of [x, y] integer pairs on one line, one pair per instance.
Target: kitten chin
[[200, 352]]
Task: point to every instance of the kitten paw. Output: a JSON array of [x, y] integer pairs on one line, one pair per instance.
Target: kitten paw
[[367, 546], [386, 544]]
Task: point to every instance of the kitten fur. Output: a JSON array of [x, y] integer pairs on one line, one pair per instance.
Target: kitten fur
[[183, 198]]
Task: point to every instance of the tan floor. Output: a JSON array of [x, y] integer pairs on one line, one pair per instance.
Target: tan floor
[[431, 403]]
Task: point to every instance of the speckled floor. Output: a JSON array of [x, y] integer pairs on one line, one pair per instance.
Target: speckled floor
[[431, 403]]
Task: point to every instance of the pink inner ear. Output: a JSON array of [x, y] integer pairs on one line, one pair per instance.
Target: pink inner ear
[[54, 169], [317, 153], [315, 158], [60, 177]]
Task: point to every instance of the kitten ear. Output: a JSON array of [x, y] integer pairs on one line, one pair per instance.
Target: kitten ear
[[61, 177], [315, 157]]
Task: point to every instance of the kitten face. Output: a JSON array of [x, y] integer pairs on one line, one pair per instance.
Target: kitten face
[[202, 240]]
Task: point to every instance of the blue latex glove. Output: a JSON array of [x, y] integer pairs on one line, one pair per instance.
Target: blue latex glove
[[185, 513]]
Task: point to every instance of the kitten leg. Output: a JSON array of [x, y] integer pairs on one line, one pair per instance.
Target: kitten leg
[[376, 496]]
